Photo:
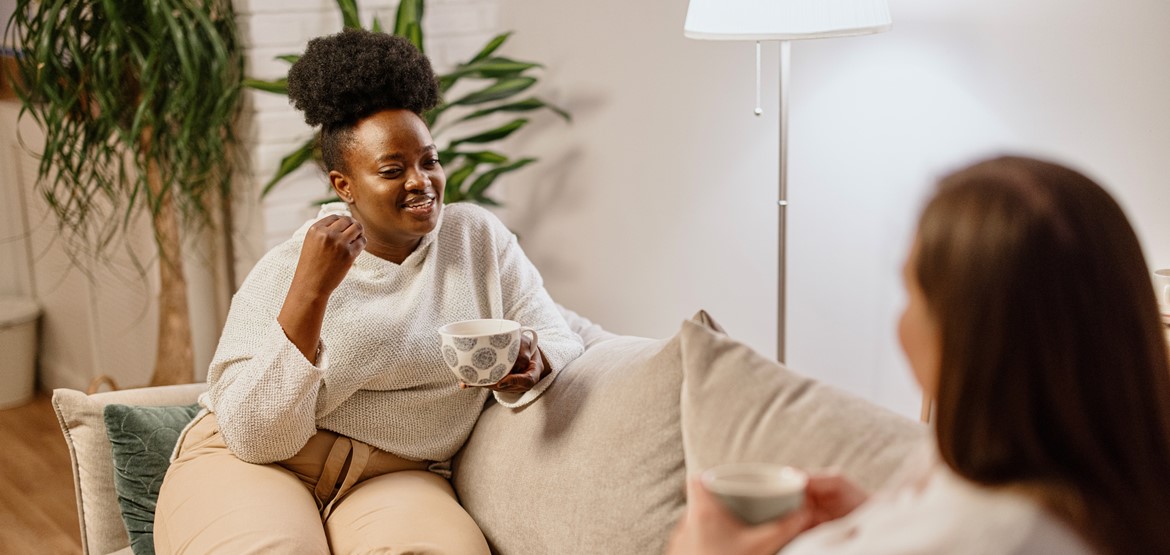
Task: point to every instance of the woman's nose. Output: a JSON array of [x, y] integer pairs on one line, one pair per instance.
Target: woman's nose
[[418, 182]]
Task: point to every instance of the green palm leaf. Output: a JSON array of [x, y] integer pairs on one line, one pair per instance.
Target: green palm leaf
[[489, 68], [521, 106], [291, 163], [485, 180], [349, 14], [499, 90], [277, 86], [492, 135], [408, 22], [491, 47], [485, 157], [453, 190]]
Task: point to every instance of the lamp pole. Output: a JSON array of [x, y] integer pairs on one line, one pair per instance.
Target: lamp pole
[[783, 21], [782, 207]]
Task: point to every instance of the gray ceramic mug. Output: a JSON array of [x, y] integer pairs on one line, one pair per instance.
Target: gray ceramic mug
[[757, 492]]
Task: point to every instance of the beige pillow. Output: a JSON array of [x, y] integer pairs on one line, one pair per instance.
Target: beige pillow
[[739, 406], [595, 466], [80, 417]]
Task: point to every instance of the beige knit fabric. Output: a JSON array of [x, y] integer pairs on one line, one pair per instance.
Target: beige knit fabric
[[379, 378]]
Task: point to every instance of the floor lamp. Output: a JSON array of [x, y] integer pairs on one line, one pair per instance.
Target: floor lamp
[[784, 21]]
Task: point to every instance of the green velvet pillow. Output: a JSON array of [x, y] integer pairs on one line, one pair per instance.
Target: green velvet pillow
[[142, 439]]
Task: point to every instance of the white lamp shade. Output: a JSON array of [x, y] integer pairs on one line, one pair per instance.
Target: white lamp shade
[[784, 19]]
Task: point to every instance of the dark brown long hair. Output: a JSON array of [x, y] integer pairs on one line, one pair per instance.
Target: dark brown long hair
[[1054, 371]]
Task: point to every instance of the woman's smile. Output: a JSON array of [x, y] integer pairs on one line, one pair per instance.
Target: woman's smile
[[420, 206]]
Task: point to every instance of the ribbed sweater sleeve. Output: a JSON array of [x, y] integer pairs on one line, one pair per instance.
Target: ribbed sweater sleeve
[[526, 301], [264, 391]]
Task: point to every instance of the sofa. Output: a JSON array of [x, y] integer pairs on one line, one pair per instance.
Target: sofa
[[597, 465]]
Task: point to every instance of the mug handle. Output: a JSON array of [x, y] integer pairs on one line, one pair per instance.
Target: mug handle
[[534, 337]]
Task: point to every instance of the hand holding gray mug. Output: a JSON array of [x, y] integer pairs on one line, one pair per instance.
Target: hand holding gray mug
[[757, 492]]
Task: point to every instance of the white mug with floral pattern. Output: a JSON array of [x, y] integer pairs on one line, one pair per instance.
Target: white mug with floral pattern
[[481, 352]]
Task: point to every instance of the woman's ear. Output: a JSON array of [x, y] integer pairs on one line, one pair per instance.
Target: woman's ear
[[340, 185]]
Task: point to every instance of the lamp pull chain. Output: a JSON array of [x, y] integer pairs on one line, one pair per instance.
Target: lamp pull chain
[[759, 110]]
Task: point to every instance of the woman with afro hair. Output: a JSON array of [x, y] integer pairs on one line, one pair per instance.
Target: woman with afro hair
[[330, 417]]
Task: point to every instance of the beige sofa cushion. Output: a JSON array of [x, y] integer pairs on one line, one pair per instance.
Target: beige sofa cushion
[[80, 417], [739, 406], [595, 466]]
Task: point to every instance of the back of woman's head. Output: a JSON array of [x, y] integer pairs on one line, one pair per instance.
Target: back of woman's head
[[1054, 370]]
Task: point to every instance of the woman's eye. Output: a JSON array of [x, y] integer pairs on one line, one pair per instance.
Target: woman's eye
[[391, 173], [433, 162]]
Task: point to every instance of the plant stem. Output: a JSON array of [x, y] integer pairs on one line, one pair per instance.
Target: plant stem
[[174, 362]]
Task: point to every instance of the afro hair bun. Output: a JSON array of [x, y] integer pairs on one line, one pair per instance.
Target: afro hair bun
[[345, 77]]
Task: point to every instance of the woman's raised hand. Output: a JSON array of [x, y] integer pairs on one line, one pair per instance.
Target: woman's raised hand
[[331, 245]]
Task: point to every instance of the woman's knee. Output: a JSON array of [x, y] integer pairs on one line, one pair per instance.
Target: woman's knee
[[407, 512], [219, 504]]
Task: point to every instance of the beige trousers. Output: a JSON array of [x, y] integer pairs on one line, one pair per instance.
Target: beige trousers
[[337, 495]]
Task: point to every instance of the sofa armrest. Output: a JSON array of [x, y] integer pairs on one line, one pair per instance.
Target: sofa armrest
[[80, 417], [590, 333]]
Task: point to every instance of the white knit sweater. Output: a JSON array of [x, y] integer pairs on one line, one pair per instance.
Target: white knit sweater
[[379, 376], [927, 508]]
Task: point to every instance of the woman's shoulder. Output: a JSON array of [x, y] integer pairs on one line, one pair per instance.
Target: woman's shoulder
[[1004, 519], [273, 271], [944, 513], [465, 218], [467, 213]]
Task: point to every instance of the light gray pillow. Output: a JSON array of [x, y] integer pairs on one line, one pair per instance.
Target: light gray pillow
[[739, 406], [595, 466]]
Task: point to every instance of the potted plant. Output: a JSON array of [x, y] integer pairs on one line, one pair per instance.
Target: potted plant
[[137, 100], [496, 84]]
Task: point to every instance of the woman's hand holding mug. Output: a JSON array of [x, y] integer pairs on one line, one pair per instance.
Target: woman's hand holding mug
[[528, 370]]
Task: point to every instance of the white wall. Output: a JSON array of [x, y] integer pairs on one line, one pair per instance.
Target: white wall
[[659, 199], [7, 8]]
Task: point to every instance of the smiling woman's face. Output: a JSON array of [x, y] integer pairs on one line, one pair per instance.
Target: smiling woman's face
[[393, 182]]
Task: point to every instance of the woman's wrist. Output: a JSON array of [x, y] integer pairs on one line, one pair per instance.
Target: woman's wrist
[[305, 295]]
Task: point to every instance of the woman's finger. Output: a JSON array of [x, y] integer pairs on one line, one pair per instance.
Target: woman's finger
[[770, 537], [352, 233], [341, 223], [516, 383]]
